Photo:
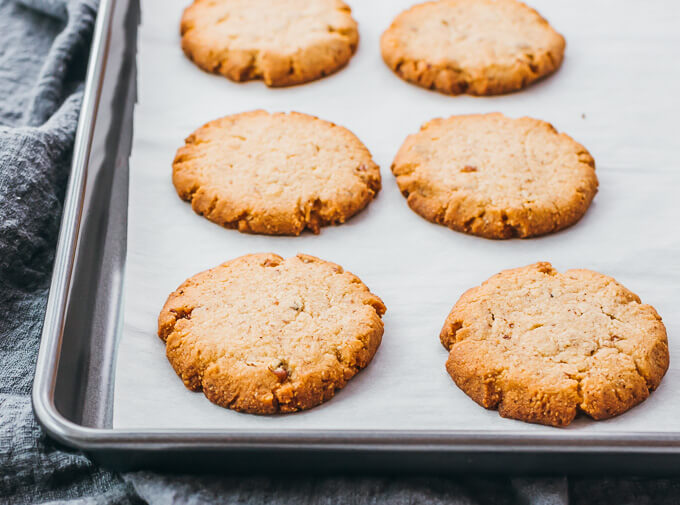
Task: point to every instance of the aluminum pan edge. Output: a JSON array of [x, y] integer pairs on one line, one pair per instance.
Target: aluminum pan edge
[[52, 331]]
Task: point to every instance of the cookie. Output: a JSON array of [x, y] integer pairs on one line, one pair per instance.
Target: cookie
[[495, 177], [282, 42], [541, 346], [262, 334], [478, 47], [275, 173]]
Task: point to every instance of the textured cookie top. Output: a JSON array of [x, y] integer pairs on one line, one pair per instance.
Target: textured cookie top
[[263, 334], [480, 47], [275, 173], [282, 42], [541, 345], [496, 177]]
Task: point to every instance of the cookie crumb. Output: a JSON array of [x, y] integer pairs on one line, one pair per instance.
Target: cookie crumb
[[281, 373]]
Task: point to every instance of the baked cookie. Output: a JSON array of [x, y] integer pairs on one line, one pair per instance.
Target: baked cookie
[[479, 47], [540, 345], [495, 177], [275, 173], [282, 42], [263, 334]]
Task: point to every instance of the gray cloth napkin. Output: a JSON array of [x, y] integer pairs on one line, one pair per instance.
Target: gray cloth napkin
[[43, 55]]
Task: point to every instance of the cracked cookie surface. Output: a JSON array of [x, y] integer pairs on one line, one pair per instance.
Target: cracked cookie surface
[[478, 47], [276, 174], [282, 42], [495, 177], [263, 334], [541, 346]]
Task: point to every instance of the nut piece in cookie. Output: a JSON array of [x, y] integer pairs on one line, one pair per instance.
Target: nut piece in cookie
[[276, 174], [541, 346], [479, 47], [282, 42], [263, 334], [495, 177]]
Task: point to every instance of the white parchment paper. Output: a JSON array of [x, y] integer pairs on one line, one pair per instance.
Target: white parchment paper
[[617, 93]]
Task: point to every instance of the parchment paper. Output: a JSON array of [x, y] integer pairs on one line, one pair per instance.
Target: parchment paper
[[617, 93]]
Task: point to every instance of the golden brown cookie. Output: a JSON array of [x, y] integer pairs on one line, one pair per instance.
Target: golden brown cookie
[[540, 346], [275, 173], [263, 334], [479, 47], [495, 177], [282, 42]]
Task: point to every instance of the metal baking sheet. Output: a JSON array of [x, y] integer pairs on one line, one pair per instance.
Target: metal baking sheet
[[614, 94], [601, 97]]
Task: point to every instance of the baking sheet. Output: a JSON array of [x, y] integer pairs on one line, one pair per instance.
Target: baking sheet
[[616, 93]]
